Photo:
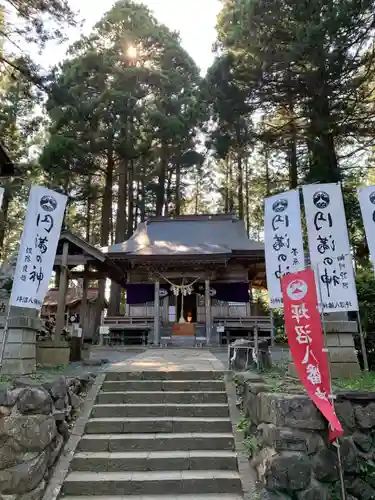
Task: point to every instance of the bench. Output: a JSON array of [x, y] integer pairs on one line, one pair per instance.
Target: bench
[[226, 325], [117, 327]]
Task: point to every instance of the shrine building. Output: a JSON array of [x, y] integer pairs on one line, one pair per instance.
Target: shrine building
[[185, 280]]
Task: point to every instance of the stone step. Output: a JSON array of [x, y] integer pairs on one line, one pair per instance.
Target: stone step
[[217, 496], [154, 461], [160, 410], [154, 424], [163, 385], [170, 375], [152, 483], [157, 442], [158, 397]]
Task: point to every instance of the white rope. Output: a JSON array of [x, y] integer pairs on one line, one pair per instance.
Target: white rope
[[179, 286]]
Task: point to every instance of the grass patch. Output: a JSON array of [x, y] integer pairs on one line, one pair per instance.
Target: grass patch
[[363, 382]]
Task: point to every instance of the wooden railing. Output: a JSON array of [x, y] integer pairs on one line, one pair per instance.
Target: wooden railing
[[128, 322], [262, 322]]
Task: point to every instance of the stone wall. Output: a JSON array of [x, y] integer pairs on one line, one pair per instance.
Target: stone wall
[[35, 422], [287, 439]]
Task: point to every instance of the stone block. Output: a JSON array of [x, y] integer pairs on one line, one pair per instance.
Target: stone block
[[250, 405], [345, 326], [287, 472], [18, 366], [325, 466], [362, 441], [342, 354], [365, 416], [24, 477], [20, 351], [345, 413], [24, 322], [286, 410], [315, 491], [345, 370], [349, 455], [243, 377], [287, 439], [34, 400], [360, 489], [20, 336], [29, 432], [50, 355]]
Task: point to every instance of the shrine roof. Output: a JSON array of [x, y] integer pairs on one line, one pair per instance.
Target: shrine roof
[[73, 296], [188, 235]]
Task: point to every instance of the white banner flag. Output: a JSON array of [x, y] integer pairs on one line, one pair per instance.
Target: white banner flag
[[283, 241], [366, 197], [45, 213], [329, 246], [1, 197]]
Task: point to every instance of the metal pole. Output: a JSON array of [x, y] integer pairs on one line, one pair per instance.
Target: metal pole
[[5, 336], [362, 340], [331, 396], [272, 329]]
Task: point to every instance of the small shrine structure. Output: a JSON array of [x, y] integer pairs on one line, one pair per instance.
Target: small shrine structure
[[190, 276]]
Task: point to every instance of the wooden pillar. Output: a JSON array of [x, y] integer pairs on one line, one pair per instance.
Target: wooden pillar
[[63, 287], [84, 304], [250, 298], [207, 307], [157, 314]]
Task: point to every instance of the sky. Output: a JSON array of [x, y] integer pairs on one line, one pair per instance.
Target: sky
[[194, 19]]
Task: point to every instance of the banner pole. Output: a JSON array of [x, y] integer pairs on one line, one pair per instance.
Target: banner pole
[[5, 336], [362, 340], [336, 443], [272, 320]]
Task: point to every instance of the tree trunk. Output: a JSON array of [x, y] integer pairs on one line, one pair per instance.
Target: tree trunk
[[197, 190], [240, 187], [105, 229], [142, 196], [130, 199], [115, 298], [324, 164], [226, 187], [160, 188], [88, 210], [168, 194], [268, 181], [178, 188], [247, 196], [4, 217], [230, 187]]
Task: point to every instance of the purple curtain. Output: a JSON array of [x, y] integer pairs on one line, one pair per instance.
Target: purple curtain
[[139, 293], [230, 292]]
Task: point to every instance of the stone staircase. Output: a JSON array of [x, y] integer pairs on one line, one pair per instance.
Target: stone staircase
[[154, 435]]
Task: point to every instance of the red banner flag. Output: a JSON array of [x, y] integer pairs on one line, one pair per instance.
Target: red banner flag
[[305, 338]]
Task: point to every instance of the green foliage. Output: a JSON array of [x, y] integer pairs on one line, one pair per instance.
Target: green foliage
[[252, 446], [243, 425], [124, 110]]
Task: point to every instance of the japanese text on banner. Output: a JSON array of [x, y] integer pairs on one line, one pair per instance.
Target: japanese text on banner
[[329, 246], [283, 241], [45, 212], [305, 338]]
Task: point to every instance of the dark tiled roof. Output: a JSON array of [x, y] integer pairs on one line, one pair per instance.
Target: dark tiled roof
[[188, 235]]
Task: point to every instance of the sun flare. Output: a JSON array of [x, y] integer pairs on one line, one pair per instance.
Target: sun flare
[[131, 52]]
